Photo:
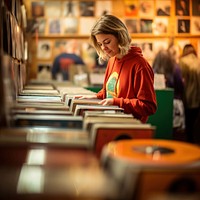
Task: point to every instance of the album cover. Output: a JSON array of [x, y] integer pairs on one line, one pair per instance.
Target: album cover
[[37, 8], [133, 25], [42, 99], [103, 7], [76, 101], [146, 9], [80, 109], [160, 26], [70, 9], [56, 121], [44, 49], [182, 8], [31, 86], [147, 50], [101, 113], [87, 8], [13, 38], [31, 106], [24, 17], [146, 25], [37, 112], [103, 133], [44, 71], [163, 8], [131, 8], [41, 24], [53, 9], [88, 121], [183, 26], [7, 32], [195, 8], [69, 25], [38, 92], [195, 25], [54, 26]]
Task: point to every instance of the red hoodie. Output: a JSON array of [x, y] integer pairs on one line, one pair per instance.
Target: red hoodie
[[134, 79]]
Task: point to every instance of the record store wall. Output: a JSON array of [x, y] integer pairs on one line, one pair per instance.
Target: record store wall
[[152, 24]]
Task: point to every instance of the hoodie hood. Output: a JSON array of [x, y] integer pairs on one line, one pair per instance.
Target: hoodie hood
[[134, 51]]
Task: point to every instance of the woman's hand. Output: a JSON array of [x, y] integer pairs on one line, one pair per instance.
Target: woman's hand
[[106, 102]]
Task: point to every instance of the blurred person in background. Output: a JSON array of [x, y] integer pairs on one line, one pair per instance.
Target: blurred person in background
[[63, 62], [164, 63], [190, 67]]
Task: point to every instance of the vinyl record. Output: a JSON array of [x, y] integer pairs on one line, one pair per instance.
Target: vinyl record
[[153, 152]]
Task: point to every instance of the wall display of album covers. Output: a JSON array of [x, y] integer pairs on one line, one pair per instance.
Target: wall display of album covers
[[140, 16]]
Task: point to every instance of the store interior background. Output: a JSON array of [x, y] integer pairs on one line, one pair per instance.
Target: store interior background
[[23, 33], [149, 28], [38, 29]]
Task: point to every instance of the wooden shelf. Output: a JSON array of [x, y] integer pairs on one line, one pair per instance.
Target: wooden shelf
[[62, 36]]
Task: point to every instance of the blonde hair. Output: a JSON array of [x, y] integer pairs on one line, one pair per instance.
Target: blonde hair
[[109, 24], [188, 49]]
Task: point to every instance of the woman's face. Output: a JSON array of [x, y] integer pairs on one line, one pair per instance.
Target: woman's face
[[108, 43]]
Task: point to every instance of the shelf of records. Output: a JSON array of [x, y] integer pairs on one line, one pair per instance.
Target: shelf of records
[[57, 18], [17, 9], [13, 32]]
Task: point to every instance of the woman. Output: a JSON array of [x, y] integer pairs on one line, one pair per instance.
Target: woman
[[128, 81], [190, 67]]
